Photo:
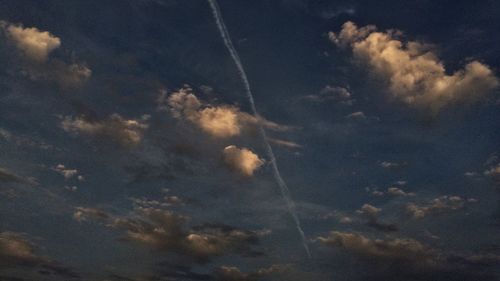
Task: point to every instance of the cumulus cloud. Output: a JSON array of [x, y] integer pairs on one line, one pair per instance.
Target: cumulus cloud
[[127, 132], [409, 259], [34, 43], [396, 191], [331, 94], [358, 115], [393, 249], [35, 47], [221, 121], [231, 273], [164, 230], [369, 211], [440, 205], [67, 173], [242, 160], [414, 73]]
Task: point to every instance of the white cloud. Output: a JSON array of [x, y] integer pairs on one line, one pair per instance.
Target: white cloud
[[34, 43], [393, 249], [369, 211], [128, 132], [396, 191], [331, 93], [436, 206], [414, 73], [358, 115], [242, 160], [221, 121], [67, 172]]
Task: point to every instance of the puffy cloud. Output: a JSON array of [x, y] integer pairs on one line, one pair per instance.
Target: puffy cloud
[[35, 47], [67, 172], [34, 43], [84, 214], [369, 211], [164, 230], [358, 115], [396, 191], [408, 259], [128, 132], [413, 71], [331, 93], [436, 206], [220, 121], [394, 249], [231, 273], [242, 160]]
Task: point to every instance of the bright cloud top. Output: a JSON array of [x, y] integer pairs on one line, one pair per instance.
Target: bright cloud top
[[128, 132], [220, 121], [242, 160], [413, 71], [35, 44]]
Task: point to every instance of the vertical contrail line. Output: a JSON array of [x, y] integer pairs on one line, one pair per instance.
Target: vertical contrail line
[[285, 192]]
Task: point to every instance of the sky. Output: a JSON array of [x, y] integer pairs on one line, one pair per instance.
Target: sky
[[130, 151]]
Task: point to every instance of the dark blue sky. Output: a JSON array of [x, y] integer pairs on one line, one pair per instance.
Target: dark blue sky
[[129, 150]]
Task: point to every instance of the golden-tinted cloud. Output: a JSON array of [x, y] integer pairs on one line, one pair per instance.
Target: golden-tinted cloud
[[220, 121], [392, 249], [34, 43], [127, 132], [440, 205], [413, 71], [242, 160], [167, 231]]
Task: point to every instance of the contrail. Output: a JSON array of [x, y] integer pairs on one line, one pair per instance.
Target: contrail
[[285, 192]]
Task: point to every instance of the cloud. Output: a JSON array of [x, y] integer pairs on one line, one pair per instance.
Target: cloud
[[17, 252], [231, 273], [284, 143], [331, 94], [369, 211], [34, 43], [127, 132], [494, 173], [35, 47], [413, 71], [403, 250], [67, 172], [242, 160], [440, 205], [221, 121], [166, 231], [408, 259], [396, 191], [358, 115], [13, 247], [8, 176]]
